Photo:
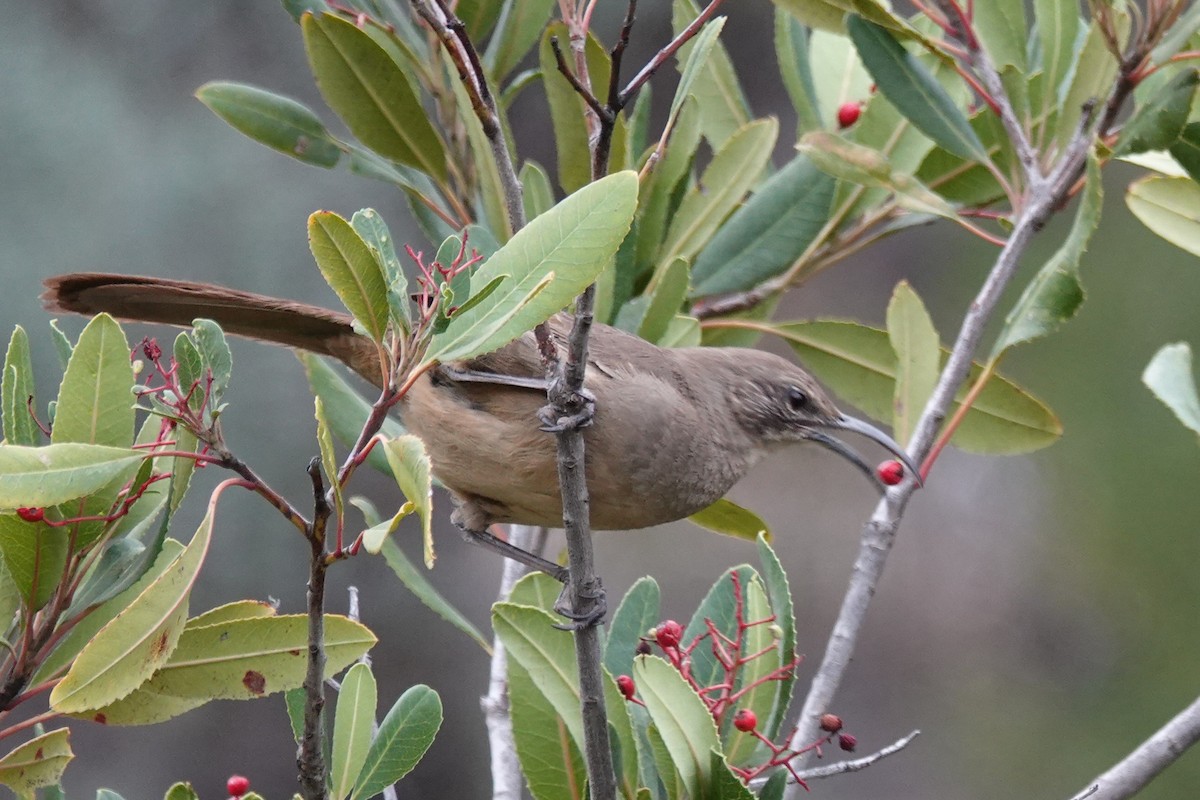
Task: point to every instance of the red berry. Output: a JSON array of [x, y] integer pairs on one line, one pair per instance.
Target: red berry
[[669, 633], [847, 114], [237, 785], [745, 720], [31, 514], [847, 742], [890, 472], [625, 684], [831, 723]]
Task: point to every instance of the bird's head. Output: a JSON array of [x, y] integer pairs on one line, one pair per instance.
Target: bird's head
[[777, 402]]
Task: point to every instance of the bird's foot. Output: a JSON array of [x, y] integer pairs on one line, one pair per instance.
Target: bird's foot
[[593, 607], [531, 560], [553, 423]]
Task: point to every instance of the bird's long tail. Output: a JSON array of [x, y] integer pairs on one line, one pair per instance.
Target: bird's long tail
[[256, 316]]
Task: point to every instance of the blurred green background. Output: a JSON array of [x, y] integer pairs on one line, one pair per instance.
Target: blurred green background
[[1039, 617]]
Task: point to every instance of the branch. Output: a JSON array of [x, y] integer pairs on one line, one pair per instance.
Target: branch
[[660, 58], [853, 765], [1130, 775], [311, 758]]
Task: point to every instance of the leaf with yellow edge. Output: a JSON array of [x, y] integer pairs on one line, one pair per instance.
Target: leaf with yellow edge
[[410, 464], [37, 763]]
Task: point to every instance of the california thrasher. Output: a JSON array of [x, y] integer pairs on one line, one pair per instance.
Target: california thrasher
[[673, 429]]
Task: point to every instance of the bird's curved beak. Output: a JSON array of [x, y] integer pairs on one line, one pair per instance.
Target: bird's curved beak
[[854, 425]]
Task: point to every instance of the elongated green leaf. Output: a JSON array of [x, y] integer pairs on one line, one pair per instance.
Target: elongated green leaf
[[365, 86], [374, 232], [140, 639], [1095, 69], [329, 458], [731, 519], [733, 170], [720, 607], [775, 581], [813, 13], [37, 763], [1000, 25], [1169, 376], [95, 405], [665, 300], [1055, 293], [858, 363], [1170, 207], [47, 476], [83, 632], [766, 235], [723, 106], [1177, 35], [685, 725], [16, 392], [666, 182], [350, 269], [1158, 123], [696, 62], [843, 78], [638, 612], [345, 409], [410, 464], [518, 29], [683, 331], [791, 51], [536, 589], [240, 659], [915, 341], [572, 242], [537, 194], [405, 734], [34, 554], [759, 692], [551, 763], [239, 609], [416, 582], [352, 728], [1057, 28], [867, 167], [276, 121], [911, 88], [1186, 151]]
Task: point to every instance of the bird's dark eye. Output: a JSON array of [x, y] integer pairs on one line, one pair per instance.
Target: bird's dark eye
[[797, 399]]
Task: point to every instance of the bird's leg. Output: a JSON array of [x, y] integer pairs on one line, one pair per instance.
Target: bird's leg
[[559, 573], [593, 595], [460, 375], [586, 403]]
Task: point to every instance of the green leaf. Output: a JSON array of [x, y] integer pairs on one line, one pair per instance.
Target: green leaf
[[182, 791], [638, 612], [550, 761], [667, 180], [1055, 293], [843, 78], [230, 612], [775, 581], [416, 582], [720, 607], [410, 464], [237, 660], [1177, 35], [374, 536], [915, 341], [17, 392], [1186, 151], [216, 356], [1057, 29], [521, 23], [34, 554], [696, 62], [723, 106], [329, 459], [683, 331], [127, 651], [95, 405], [1170, 207], [352, 727], [731, 519], [276, 121], [83, 632], [813, 13], [577, 238], [1169, 376], [867, 167], [345, 409], [365, 86], [665, 300], [766, 235], [1158, 123], [37, 763], [369, 225], [350, 269], [732, 171], [791, 51], [1000, 25], [404, 735], [537, 194], [685, 725], [1095, 69], [858, 363], [535, 589], [913, 90], [36, 477], [479, 16]]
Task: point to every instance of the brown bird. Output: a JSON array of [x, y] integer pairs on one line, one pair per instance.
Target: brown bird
[[673, 429]]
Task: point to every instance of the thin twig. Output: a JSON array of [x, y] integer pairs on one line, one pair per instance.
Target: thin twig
[[1131, 774], [852, 765], [310, 760], [660, 58]]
